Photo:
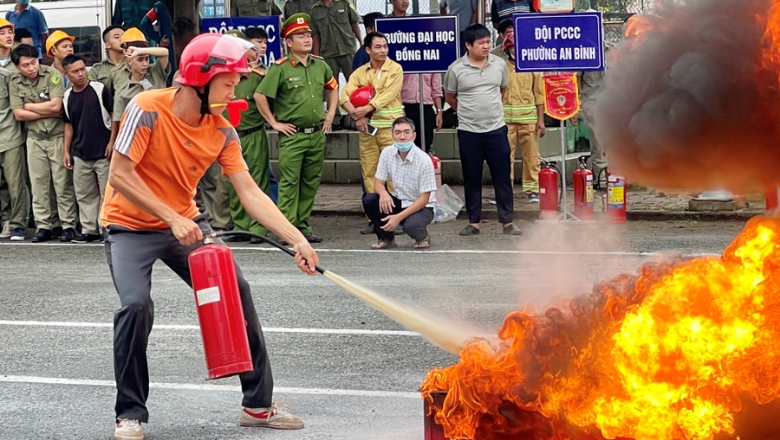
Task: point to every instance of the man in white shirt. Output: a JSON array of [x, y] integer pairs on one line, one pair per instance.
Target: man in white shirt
[[411, 203]]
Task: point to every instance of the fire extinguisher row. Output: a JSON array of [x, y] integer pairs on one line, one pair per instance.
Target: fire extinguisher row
[[549, 192]]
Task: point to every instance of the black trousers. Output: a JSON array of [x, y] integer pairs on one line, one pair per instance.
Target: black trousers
[[412, 111], [416, 225], [131, 255], [491, 147]]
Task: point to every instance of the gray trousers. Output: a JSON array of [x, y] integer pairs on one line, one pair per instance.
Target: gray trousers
[[89, 183], [131, 255]]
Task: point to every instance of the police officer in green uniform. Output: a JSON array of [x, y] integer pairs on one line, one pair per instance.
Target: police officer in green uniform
[[254, 142], [36, 94], [296, 84]]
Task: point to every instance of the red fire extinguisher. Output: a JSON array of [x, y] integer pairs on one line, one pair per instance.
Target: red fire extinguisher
[[583, 191], [616, 199], [437, 171], [548, 190], [221, 317], [772, 196]]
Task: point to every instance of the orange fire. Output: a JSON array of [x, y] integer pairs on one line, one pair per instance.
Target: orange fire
[[668, 354]]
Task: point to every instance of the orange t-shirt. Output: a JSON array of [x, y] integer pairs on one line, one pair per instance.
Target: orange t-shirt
[[171, 158]]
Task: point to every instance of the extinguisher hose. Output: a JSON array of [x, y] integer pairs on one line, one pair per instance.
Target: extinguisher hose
[[270, 241]]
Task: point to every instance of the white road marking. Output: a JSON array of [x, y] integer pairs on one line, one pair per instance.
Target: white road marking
[[411, 251], [208, 387], [321, 331]]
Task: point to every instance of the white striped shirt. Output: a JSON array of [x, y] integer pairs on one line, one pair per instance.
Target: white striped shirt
[[411, 177]]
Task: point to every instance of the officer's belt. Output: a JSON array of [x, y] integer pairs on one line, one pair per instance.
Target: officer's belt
[[249, 131], [307, 130]]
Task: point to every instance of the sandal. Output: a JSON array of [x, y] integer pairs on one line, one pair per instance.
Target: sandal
[[425, 243], [384, 244]]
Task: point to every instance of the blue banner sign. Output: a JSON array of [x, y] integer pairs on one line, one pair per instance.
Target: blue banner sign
[[270, 23], [422, 44], [559, 42]]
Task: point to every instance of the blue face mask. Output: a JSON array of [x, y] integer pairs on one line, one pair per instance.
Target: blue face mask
[[24, 2], [403, 147]]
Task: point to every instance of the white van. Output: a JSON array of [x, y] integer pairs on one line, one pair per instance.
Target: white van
[[82, 19]]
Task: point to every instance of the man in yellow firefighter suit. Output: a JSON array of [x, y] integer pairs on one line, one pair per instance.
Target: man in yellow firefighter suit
[[387, 78], [524, 117]]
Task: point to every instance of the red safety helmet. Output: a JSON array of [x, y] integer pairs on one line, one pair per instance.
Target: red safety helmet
[[509, 40], [362, 96], [210, 54]]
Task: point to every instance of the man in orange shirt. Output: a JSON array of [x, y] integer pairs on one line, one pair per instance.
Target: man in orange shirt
[[167, 140]]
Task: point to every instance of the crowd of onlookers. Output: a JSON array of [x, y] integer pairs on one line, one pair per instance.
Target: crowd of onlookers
[[58, 123]]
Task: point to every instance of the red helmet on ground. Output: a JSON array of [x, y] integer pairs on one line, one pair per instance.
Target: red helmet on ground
[[208, 55], [362, 96]]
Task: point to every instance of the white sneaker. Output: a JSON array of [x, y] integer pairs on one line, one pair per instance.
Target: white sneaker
[[6, 232], [129, 429], [273, 417]]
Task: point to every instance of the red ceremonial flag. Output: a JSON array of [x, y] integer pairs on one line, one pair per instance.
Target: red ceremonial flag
[[561, 95]]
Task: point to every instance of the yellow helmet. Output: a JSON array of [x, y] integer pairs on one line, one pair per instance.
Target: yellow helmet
[[5, 23], [55, 38], [132, 35]]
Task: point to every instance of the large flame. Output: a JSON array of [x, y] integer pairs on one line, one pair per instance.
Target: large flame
[[668, 354]]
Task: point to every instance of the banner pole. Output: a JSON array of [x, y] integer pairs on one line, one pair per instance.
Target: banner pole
[[422, 111]]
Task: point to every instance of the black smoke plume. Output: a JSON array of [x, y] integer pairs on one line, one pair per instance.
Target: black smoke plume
[[691, 99]]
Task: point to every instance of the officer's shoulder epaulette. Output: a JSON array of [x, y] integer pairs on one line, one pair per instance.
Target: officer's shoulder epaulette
[[317, 56], [258, 71], [280, 60]]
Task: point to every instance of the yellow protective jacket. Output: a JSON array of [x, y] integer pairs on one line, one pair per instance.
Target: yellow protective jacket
[[522, 95], [387, 83]]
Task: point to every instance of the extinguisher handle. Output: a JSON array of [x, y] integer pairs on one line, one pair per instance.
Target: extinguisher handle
[[270, 241]]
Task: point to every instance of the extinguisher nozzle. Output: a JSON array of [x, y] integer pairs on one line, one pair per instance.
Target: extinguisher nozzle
[[270, 241]]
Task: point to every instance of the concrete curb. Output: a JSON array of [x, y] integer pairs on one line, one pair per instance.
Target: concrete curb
[[531, 214]]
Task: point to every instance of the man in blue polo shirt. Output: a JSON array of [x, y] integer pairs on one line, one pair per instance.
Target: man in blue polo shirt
[[24, 16]]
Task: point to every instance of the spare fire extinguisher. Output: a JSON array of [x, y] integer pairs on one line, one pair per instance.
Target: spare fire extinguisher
[[583, 191], [548, 190], [220, 314], [772, 196], [616, 199], [437, 172]]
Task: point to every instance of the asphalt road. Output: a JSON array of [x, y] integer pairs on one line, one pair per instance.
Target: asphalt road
[[349, 371]]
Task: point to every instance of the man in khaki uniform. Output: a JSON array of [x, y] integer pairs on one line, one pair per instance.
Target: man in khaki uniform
[[253, 8], [13, 166], [58, 46], [112, 38], [141, 76], [36, 98], [6, 42], [120, 73], [334, 27]]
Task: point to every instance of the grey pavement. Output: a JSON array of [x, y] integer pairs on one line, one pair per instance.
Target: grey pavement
[[349, 371]]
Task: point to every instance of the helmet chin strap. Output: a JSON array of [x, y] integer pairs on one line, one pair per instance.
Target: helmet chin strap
[[204, 99]]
